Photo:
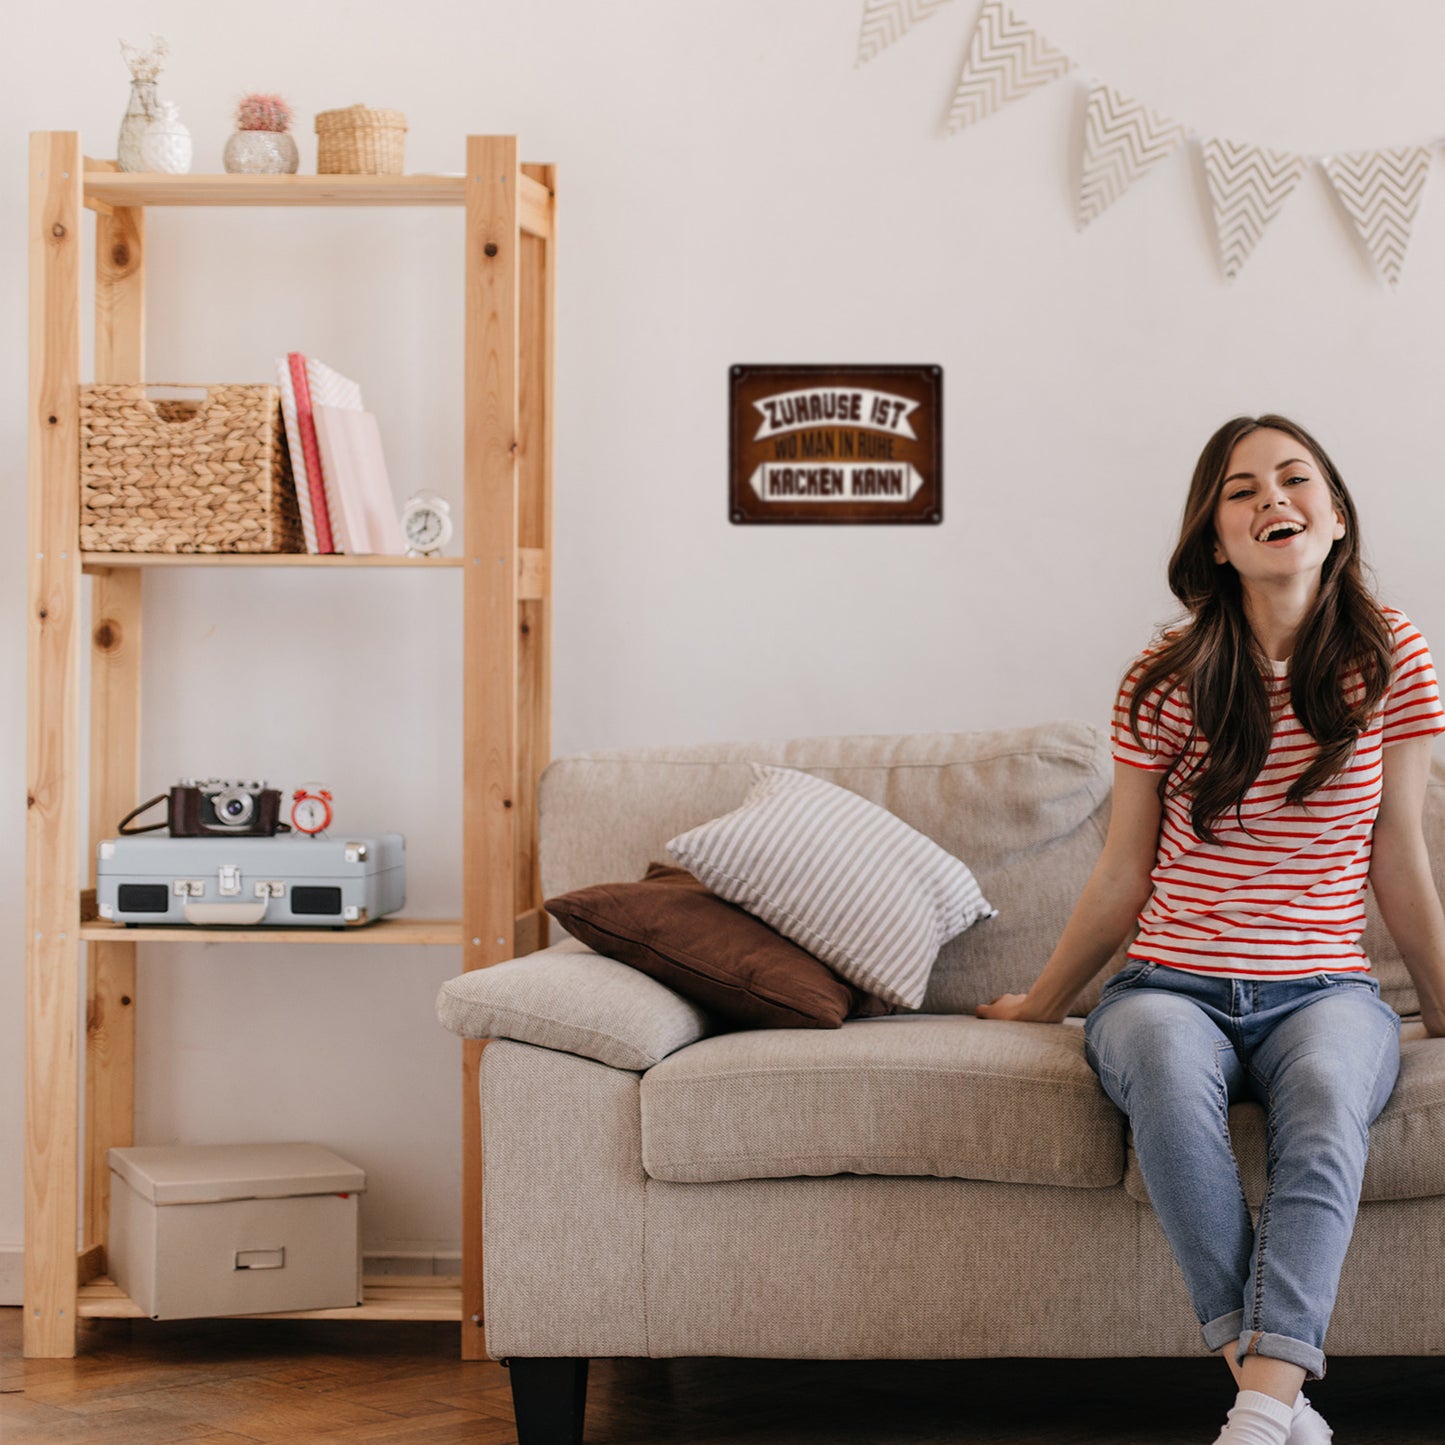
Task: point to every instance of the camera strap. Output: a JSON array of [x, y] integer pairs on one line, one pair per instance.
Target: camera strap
[[144, 807]]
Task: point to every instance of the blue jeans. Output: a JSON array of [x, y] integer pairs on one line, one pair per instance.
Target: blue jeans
[[1173, 1050]]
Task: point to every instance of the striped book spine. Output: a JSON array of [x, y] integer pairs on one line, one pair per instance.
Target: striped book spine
[[306, 425]]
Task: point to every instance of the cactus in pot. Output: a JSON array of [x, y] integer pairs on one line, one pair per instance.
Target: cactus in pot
[[262, 143]]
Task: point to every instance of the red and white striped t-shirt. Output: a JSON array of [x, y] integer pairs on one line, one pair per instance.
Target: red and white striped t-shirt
[[1285, 899]]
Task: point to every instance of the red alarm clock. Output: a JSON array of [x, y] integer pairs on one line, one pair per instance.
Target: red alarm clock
[[311, 809]]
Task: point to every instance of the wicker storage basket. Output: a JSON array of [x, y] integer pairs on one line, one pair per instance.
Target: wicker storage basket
[[186, 476], [359, 142]]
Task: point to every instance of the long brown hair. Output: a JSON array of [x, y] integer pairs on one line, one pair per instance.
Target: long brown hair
[[1219, 663]]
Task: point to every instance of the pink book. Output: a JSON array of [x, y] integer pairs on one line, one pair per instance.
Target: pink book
[[363, 510], [306, 425]]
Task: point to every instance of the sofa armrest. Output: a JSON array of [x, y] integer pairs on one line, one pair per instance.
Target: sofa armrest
[[575, 1001]]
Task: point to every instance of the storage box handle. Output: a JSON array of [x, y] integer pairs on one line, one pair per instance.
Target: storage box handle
[[260, 1259]]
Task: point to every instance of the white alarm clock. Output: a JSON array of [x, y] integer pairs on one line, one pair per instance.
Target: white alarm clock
[[311, 809], [426, 524]]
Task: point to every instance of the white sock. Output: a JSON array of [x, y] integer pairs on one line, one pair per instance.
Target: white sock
[[1257, 1419], [1307, 1425]]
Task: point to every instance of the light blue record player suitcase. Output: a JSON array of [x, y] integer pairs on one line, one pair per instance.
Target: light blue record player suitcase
[[250, 881]]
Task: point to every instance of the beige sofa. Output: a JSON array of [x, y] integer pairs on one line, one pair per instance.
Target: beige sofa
[[916, 1186]]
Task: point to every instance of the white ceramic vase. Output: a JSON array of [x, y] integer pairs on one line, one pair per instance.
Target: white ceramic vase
[[261, 152], [166, 146]]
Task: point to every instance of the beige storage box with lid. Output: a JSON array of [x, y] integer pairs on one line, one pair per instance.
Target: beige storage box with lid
[[235, 1229]]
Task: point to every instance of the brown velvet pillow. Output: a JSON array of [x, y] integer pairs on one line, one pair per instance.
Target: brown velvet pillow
[[670, 927]]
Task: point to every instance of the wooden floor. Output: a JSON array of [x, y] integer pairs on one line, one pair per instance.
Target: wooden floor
[[136, 1383]]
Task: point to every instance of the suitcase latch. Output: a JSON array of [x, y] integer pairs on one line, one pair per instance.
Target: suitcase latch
[[229, 880]]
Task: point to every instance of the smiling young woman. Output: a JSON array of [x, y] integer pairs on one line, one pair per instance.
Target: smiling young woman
[[1271, 757], [1302, 601]]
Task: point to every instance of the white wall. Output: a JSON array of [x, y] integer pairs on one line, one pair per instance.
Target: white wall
[[733, 189]]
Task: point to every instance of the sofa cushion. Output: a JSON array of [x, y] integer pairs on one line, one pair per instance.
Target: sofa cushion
[[952, 1097], [672, 928], [1407, 1141], [842, 877], [575, 1001]]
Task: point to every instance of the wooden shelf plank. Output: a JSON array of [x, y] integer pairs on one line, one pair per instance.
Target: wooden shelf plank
[[532, 566], [384, 930], [108, 188], [145, 188], [386, 1297], [99, 561]]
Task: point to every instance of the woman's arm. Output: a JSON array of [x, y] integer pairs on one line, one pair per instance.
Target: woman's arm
[[1400, 875], [1112, 898]]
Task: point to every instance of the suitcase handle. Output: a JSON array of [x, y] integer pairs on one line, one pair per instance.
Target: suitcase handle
[[237, 913]]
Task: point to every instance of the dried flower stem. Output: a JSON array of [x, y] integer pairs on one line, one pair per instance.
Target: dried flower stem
[[145, 64]]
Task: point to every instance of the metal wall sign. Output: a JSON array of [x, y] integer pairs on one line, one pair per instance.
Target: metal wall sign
[[836, 444]]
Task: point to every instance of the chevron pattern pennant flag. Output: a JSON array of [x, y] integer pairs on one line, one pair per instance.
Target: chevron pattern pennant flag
[[1007, 58], [885, 21], [1248, 186], [1122, 140], [1381, 190]]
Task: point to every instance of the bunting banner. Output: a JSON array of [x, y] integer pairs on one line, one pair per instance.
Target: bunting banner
[[1248, 186], [885, 21], [1122, 140], [1007, 58], [1381, 190]]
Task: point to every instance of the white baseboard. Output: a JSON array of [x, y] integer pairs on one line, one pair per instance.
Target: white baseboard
[[12, 1274], [12, 1268]]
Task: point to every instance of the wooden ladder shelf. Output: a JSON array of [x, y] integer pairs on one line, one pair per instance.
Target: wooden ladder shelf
[[510, 240]]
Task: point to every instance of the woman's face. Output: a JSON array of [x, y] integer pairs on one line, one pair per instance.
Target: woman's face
[[1274, 518]]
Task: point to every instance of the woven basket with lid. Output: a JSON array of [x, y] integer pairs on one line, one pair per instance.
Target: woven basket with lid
[[359, 142], [186, 476]]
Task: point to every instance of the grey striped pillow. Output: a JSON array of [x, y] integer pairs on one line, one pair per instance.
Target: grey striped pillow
[[845, 879]]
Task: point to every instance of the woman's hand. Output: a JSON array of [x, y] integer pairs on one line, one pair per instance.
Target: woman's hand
[[1011, 1006]]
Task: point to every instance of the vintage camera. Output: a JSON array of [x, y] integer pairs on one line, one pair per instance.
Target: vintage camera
[[215, 806]]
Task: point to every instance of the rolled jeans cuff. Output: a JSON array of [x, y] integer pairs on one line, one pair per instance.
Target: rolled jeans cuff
[[1223, 1331], [1282, 1347]]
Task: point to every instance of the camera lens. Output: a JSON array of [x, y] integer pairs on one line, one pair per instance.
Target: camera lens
[[234, 807]]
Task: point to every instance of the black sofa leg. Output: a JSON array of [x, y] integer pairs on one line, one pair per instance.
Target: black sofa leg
[[548, 1398]]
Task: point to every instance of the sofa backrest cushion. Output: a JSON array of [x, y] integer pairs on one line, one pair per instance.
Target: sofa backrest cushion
[[1025, 808]]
